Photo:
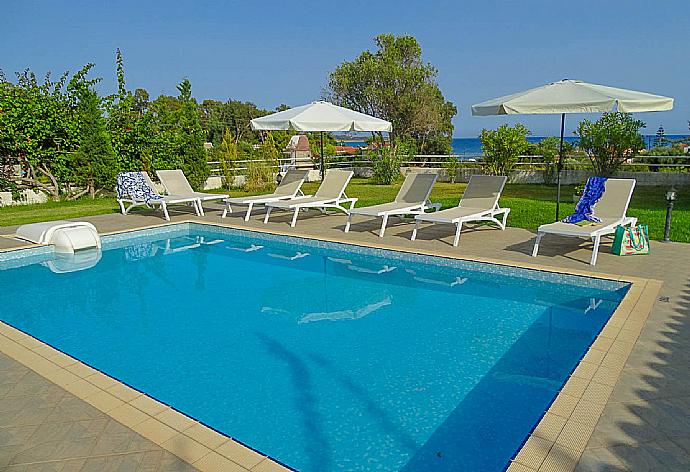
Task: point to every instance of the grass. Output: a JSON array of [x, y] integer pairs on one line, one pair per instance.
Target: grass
[[531, 205], [22, 214]]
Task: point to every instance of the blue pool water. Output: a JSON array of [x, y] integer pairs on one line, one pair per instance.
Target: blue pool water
[[323, 356]]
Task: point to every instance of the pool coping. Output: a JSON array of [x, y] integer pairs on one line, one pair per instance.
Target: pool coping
[[555, 443]]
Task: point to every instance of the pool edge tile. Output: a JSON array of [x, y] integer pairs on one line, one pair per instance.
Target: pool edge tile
[[186, 448], [575, 434], [241, 454], [214, 462], [108, 395], [634, 309]]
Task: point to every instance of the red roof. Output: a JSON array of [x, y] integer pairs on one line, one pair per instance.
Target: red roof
[[346, 150]]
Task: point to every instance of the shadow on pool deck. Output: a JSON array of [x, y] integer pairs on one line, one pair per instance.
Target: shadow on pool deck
[[646, 424]]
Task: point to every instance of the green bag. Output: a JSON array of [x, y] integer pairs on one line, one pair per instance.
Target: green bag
[[631, 240]]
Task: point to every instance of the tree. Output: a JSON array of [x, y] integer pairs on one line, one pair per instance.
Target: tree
[[58, 137], [395, 84], [177, 136], [660, 138], [194, 158], [503, 147], [610, 141], [235, 115], [129, 124], [94, 163], [39, 128]]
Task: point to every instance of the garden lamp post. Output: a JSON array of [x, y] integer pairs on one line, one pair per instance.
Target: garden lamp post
[[670, 199]]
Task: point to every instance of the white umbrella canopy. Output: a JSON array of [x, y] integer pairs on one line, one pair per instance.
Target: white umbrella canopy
[[571, 96], [320, 116]]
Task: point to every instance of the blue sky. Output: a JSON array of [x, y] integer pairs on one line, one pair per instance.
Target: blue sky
[[275, 52]]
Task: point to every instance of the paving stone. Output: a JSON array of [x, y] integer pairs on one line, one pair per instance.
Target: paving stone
[[44, 428], [599, 460], [653, 456]]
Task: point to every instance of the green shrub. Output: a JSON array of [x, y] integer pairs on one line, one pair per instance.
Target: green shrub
[[665, 155], [548, 149], [452, 165], [259, 177], [387, 167], [503, 147], [610, 141], [260, 172], [227, 155], [388, 162]]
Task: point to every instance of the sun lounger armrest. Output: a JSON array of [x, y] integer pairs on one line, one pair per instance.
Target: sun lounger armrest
[[351, 201]]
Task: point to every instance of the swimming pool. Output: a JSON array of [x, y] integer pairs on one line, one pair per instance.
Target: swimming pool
[[324, 356]]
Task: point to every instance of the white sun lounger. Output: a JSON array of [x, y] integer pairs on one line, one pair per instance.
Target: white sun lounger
[[289, 187], [611, 209], [331, 194], [176, 183], [140, 191], [412, 199], [479, 202]]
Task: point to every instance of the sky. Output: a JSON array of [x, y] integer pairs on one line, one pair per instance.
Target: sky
[[275, 52]]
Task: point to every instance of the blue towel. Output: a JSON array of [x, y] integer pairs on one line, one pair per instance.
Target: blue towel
[[133, 185], [584, 210]]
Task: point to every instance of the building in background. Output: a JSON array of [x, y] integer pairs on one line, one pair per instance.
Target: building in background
[[298, 148]]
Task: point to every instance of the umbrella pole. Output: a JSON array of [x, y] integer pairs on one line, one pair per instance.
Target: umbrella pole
[[559, 168], [323, 167]]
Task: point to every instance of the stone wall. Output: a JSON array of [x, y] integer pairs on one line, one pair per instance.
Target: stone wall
[[26, 197], [568, 177]]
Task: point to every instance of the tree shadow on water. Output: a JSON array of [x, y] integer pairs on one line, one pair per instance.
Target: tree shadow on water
[[384, 421], [317, 447], [491, 422]]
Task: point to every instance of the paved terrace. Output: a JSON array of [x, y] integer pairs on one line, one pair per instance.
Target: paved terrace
[[644, 425]]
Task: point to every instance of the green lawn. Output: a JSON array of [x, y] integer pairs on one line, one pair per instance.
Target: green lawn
[[531, 205]]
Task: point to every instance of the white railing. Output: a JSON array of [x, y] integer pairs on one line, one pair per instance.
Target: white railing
[[239, 166], [425, 160]]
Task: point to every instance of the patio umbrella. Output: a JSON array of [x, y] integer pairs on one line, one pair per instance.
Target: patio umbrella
[[323, 117], [571, 96]]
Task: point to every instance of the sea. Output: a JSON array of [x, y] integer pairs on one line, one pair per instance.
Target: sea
[[472, 147]]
